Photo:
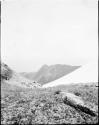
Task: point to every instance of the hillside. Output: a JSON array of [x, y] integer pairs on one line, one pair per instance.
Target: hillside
[[85, 74], [50, 73], [11, 77]]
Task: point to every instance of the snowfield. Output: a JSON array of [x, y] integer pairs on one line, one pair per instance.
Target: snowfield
[[85, 74]]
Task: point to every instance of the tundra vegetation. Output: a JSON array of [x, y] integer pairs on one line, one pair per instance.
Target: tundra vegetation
[[46, 106]]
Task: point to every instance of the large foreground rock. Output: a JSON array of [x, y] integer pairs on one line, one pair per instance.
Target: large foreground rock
[[77, 103]]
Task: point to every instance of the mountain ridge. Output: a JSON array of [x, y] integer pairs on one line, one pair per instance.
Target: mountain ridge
[[50, 73]]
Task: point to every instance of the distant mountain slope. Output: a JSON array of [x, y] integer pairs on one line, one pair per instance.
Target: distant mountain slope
[[85, 74], [50, 73], [11, 77]]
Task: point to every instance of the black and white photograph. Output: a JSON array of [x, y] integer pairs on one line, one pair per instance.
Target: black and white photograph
[[49, 62]]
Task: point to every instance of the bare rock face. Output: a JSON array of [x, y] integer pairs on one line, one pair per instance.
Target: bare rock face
[[77, 103]]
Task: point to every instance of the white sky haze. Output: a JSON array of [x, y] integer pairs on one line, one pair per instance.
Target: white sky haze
[[37, 32]]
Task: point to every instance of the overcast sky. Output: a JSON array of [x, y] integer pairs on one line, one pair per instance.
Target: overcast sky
[[37, 32]]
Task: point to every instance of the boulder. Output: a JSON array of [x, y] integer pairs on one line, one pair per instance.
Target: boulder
[[77, 103]]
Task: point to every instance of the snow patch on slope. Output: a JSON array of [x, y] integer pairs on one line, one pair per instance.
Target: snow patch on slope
[[85, 74]]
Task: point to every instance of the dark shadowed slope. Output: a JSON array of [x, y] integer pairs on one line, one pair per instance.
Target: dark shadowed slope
[[6, 72]]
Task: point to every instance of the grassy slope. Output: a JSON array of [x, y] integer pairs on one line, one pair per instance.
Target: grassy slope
[[35, 106]]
